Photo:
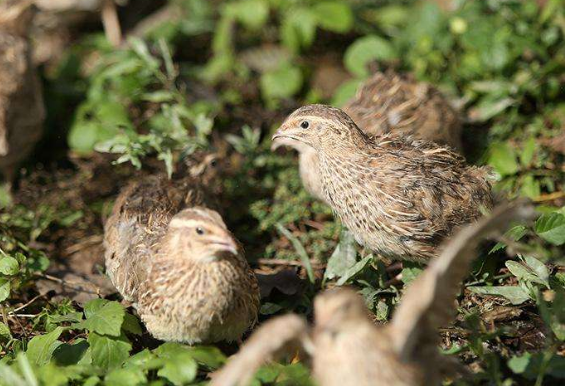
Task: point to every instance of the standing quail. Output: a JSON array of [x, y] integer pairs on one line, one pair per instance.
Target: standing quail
[[389, 103], [347, 349], [398, 196], [21, 102], [177, 262]]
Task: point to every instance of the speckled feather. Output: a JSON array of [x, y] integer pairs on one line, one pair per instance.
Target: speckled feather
[[399, 196]]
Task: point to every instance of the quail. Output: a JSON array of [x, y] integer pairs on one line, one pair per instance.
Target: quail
[[389, 103], [398, 196], [21, 102], [348, 349], [176, 261]]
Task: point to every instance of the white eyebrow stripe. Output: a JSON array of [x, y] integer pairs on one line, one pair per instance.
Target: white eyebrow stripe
[[180, 223]]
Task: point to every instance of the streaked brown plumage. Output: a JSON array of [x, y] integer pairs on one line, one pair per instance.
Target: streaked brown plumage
[[21, 102], [399, 197], [347, 349], [395, 104], [177, 262]]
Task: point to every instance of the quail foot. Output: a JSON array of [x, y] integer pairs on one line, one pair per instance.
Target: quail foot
[[388, 103], [399, 196], [348, 349], [179, 265], [21, 101]]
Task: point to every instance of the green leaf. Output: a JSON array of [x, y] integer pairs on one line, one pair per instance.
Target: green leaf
[[551, 227], [131, 324], [9, 265], [343, 258], [281, 83], [410, 272], [519, 364], [4, 289], [525, 273], [528, 151], [211, 357], [351, 272], [251, 13], [104, 317], [515, 294], [41, 347], [179, 369], [129, 376], [5, 334], [298, 28], [514, 233], [530, 186], [503, 158], [366, 49], [299, 248], [70, 354], [108, 352], [345, 92], [334, 16]]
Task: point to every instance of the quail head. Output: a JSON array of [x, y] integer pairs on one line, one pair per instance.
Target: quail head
[[21, 102], [398, 196], [348, 349], [176, 261], [389, 103]]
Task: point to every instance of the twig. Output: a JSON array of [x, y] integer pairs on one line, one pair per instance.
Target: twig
[[549, 196], [111, 23], [28, 303], [78, 286]]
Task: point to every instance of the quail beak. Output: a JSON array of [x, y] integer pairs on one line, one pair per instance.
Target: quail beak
[[225, 245], [288, 137]]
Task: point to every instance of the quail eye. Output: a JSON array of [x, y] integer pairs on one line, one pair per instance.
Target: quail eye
[[200, 231], [305, 124], [214, 163]]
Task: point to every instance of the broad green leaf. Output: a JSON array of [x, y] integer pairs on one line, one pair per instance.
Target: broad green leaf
[[108, 352], [519, 364], [129, 376], [343, 258], [551, 227], [179, 369], [299, 248], [41, 347], [503, 158], [351, 272], [488, 107], [281, 83], [70, 354], [366, 49], [251, 13], [515, 294], [334, 16], [211, 357], [9, 265], [103, 317], [145, 360], [530, 186], [523, 272], [131, 324], [298, 28], [538, 267]]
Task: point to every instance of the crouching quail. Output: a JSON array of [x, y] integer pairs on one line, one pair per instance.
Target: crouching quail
[[399, 196], [388, 103], [348, 349], [179, 265]]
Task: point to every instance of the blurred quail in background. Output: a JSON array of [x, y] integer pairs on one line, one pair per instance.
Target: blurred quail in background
[[21, 101], [348, 349], [399, 196], [175, 259]]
